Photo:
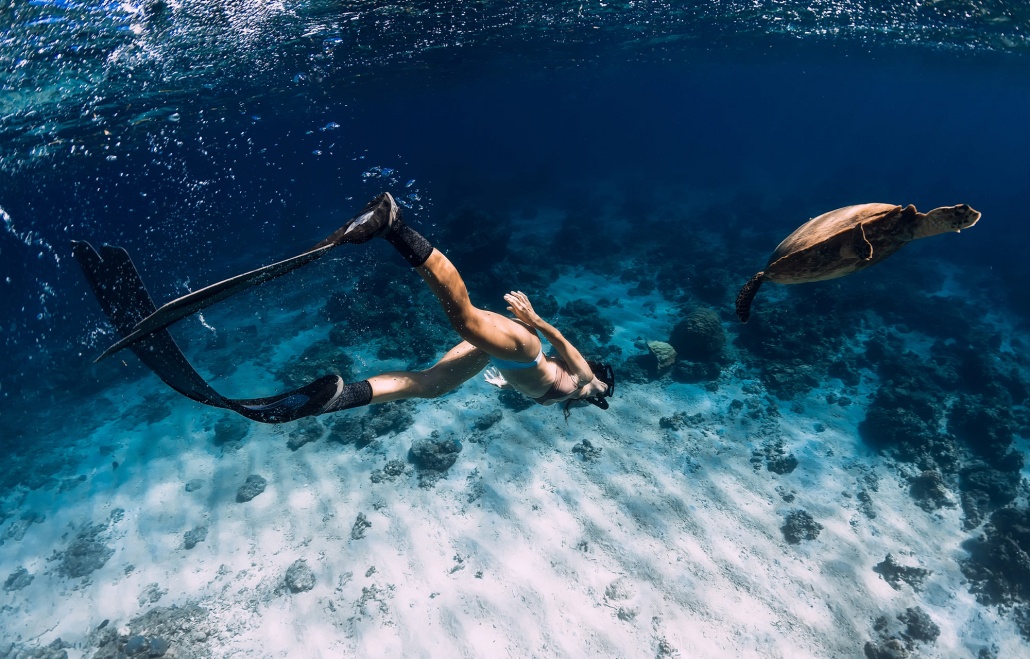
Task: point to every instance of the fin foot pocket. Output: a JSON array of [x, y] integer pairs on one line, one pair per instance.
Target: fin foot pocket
[[375, 219]]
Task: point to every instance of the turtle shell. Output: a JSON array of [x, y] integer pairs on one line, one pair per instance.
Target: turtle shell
[[840, 242]]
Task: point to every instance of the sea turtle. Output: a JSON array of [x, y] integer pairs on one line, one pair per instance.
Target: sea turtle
[[849, 239]]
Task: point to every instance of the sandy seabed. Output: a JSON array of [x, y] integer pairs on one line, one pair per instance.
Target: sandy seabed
[[644, 541]]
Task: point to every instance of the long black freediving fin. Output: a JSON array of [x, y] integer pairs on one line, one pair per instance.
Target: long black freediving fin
[[191, 303], [360, 228], [123, 297]]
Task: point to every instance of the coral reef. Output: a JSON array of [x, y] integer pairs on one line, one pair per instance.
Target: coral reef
[[984, 488], [985, 423], [896, 642], [514, 401], [895, 574], [86, 554], [999, 560], [254, 486], [930, 492], [972, 454], [799, 525], [194, 536], [664, 355], [56, 649], [794, 344], [390, 471], [775, 456], [435, 454], [699, 336], [17, 580], [299, 577], [230, 430], [361, 524], [177, 631], [433, 457], [903, 420], [377, 421], [306, 430], [389, 307], [585, 327], [487, 421], [587, 451], [689, 372], [19, 527], [634, 370], [679, 421], [580, 228], [320, 358], [918, 625]]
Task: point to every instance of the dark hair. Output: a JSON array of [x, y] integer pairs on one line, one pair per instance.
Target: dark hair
[[605, 374]]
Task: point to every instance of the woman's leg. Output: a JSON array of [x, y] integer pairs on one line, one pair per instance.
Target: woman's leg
[[493, 333], [461, 362], [485, 333]]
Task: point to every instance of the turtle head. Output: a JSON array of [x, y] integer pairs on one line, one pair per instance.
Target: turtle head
[[946, 219]]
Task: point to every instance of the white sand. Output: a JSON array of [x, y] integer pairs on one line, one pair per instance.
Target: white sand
[[669, 540]]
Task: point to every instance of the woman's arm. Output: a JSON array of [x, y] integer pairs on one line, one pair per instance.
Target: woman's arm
[[520, 306]]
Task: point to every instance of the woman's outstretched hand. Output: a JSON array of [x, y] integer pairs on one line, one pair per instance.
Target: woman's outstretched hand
[[518, 304], [494, 377]]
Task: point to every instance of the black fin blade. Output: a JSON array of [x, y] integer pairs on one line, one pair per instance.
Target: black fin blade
[[123, 297], [193, 302]]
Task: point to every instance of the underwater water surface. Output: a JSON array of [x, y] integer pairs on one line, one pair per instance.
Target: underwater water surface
[[841, 476]]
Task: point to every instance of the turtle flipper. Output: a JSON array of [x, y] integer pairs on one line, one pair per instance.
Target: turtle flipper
[[746, 295]]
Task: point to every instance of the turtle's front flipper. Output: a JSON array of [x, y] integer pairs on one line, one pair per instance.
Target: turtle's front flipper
[[746, 295]]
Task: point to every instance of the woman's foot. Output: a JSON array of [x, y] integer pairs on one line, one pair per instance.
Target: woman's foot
[[375, 219]]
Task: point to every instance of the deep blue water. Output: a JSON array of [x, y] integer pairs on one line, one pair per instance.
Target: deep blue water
[[811, 130]]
